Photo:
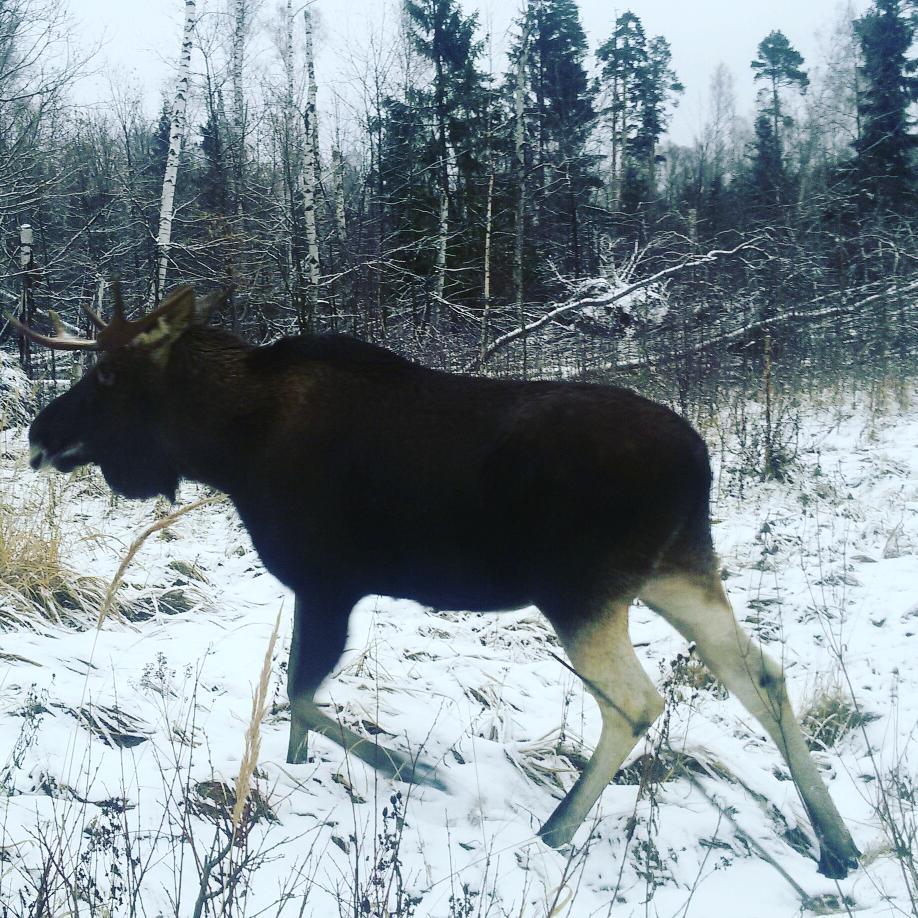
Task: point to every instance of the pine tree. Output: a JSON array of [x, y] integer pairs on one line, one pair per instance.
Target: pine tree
[[641, 86], [624, 59], [780, 64], [885, 165]]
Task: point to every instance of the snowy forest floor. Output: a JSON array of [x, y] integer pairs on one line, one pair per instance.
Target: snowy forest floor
[[120, 749]]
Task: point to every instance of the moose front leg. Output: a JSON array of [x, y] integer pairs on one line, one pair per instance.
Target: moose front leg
[[317, 644]]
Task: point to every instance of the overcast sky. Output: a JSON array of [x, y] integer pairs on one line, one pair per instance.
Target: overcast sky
[[141, 38]]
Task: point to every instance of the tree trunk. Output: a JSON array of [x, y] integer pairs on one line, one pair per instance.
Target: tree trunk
[[309, 182], [519, 169], [176, 136], [443, 220], [292, 172], [489, 220], [238, 54], [340, 213]]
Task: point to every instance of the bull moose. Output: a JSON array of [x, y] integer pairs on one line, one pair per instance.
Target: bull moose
[[359, 472]]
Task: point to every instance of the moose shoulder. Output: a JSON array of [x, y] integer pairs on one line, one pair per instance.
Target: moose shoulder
[[358, 472]]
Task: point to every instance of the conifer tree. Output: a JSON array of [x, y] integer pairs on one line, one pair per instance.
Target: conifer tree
[[780, 65], [561, 107], [640, 86], [885, 161], [446, 38]]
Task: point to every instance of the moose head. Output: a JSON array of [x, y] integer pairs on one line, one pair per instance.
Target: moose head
[[115, 415]]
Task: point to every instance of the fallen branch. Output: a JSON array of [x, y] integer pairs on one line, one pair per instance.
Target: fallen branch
[[606, 299], [792, 315]]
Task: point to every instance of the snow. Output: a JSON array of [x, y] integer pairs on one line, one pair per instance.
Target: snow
[[15, 393], [823, 567]]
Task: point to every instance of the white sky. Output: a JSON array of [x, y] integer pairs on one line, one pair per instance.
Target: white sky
[[141, 38]]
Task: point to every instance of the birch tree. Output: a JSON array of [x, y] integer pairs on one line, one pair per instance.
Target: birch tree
[[291, 166], [519, 170], [236, 67], [309, 178], [176, 138]]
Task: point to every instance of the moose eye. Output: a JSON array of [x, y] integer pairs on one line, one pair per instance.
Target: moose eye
[[105, 375]]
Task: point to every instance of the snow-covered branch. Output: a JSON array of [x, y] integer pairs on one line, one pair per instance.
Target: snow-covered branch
[[579, 302]]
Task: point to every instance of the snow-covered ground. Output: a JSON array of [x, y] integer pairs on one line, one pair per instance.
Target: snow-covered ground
[[118, 748]]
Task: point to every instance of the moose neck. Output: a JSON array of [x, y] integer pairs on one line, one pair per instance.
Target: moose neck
[[217, 409]]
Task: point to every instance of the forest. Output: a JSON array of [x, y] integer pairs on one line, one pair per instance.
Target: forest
[[535, 220]]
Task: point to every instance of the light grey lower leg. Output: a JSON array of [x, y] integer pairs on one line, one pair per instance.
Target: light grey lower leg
[[602, 654], [701, 611]]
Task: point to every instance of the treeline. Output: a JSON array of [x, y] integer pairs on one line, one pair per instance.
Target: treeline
[[446, 208]]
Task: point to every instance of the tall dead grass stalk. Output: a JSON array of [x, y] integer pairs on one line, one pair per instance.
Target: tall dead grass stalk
[[253, 733]]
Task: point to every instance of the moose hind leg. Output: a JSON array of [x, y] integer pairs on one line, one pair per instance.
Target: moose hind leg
[[602, 655], [697, 606]]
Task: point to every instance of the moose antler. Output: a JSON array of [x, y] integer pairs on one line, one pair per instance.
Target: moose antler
[[112, 335]]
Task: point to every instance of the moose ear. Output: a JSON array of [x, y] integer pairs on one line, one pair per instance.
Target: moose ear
[[214, 300], [176, 313]]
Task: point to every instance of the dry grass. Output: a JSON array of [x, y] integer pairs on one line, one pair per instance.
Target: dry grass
[[161, 524], [830, 717], [35, 581]]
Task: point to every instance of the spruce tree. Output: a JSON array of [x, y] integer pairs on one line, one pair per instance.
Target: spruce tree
[[885, 163], [446, 38], [561, 107]]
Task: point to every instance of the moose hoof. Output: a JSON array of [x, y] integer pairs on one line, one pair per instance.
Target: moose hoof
[[837, 865], [556, 833], [412, 771]]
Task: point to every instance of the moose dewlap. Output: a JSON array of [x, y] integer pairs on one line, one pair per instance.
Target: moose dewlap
[[358, 472]]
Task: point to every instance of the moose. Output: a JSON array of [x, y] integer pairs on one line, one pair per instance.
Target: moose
[[358, 472]]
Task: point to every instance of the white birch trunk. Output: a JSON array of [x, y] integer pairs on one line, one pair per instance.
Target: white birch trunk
[[291, 167], [176, 137], [489, 220], [519, 169], [309, 181], [442, 239], [238, 54], [340, 213]]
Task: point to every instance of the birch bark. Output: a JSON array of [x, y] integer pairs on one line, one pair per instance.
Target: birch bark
[[291, 169], [176, 137], [238, 55], [309, 182], [519, 169]]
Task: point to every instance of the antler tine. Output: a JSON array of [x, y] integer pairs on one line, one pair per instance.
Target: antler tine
[[60, 342], [168, 304], [93, 317], [59, 330]]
